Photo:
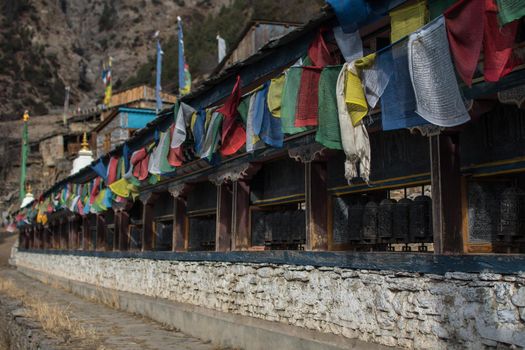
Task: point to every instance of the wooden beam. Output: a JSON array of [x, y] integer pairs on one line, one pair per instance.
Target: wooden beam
[[179, 223], [241, 215], [147, 221], [446, 193], [316, 209], [224, 218]]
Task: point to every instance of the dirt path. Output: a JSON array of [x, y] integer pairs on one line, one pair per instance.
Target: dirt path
[[108, 328]]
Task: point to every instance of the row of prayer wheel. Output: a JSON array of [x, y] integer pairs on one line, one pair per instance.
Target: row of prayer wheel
[[391, 221], [281, 226]]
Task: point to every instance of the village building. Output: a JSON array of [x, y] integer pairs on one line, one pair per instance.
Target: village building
[[427, 252]]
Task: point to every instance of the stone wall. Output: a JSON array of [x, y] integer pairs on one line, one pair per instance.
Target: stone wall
[[411, 310]]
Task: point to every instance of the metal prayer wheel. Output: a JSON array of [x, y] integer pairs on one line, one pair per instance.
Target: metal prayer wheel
[[385, 219], [401, 220], [512, 211], [420, 219], [370, 222], [355, 221]]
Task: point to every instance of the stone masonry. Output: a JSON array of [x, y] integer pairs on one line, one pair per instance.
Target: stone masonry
[[410, 310]]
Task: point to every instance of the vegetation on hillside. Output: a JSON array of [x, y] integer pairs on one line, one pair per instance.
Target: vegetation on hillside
[[200, 36]]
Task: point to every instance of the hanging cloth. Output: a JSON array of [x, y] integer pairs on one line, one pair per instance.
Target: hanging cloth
[[139, 161], [349, 44], [197, 128], [253, 142], [211, 141], [100, 169], [510, 10], [350, 13], [275, 95], [289, 100], [243, 107], [233, 135], [95, 190], [432, 73], [175, 155], [354, 93], [159, 156], [328, 131], [398, 102], [107, 201], [307, 100], [125, 156], [112, 170], [407, 19], [498, 43], [373, 77], [123, 188], [354, 139], [464, 23], [183, 118], [266, 126]]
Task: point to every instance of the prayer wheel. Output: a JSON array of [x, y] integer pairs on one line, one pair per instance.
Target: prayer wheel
[[355, 221], [512, 213], [421, 219], [385, 219], [401, 220], [299, 225], [370, 222]]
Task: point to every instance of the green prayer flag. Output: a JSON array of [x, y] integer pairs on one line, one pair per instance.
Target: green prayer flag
[[510, 10], [289, 101], [328, 130], [243, 107], [437, 7]]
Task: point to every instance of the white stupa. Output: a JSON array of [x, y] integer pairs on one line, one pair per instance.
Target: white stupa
[[85, 157], [28, 198]]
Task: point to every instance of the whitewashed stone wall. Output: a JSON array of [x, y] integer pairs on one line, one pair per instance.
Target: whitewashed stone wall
[[457, 310]]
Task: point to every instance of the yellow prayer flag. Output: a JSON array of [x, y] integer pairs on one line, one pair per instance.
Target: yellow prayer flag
[[408, 19], [275, 92]]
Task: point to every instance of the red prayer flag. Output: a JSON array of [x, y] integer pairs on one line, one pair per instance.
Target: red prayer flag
[[95, 190], [465, 35], [319, 52], [175, 155], [499, 41], [140, 160], [112, 170], [308, 98], [233, 134]]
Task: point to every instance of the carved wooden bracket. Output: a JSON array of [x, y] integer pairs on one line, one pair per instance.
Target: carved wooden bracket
[[244, 171], [307, 153], [179, 190], [427, 130], [147, 197]]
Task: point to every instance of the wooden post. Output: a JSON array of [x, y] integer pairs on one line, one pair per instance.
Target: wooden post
[[446, 193], [315, 194], [316, 207], [179, 223], [116, 230], [241, 215], [101, 233], [147, 221], [179, 193], [224, 218], [123, 231]]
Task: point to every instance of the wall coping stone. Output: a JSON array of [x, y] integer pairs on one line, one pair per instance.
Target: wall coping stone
[[409, 262]]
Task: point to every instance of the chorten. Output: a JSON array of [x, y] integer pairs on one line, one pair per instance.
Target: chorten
[[85, 156]]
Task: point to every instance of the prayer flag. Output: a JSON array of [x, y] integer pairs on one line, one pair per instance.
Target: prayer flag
[[350, 13], [184, 72], [349, 44], [407, 19], [510, 10], [233, 135], [25, 152], [221, 48], [265, 125], [211, 140], [197, 129], [328, 131], [158, 87], [289, 100]]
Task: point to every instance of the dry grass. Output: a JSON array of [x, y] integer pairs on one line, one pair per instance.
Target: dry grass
[[55, 320]]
